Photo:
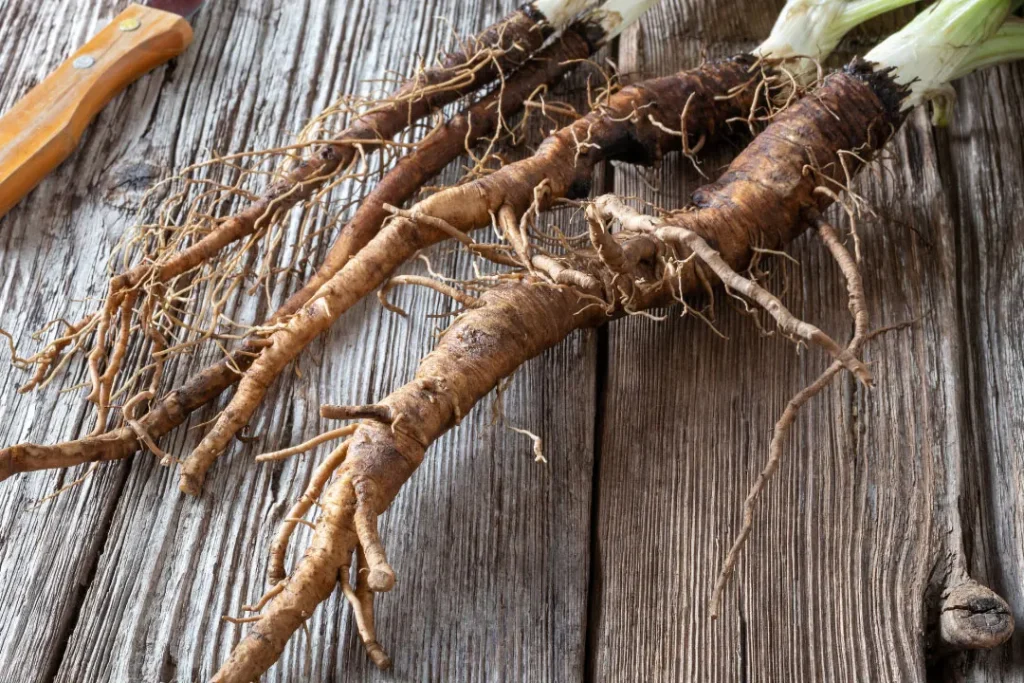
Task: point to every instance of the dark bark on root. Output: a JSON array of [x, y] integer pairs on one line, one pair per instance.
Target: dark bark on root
[[761, 199]]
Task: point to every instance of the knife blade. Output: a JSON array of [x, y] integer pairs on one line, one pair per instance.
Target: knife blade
[[43, 128]]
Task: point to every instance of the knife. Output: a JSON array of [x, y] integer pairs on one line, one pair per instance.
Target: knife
[[44, 127]]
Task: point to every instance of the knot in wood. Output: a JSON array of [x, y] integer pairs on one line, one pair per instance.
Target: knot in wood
[[974, 618]]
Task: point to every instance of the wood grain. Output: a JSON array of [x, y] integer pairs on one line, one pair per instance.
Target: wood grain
[[490, 550], [42, 128], [861, 529], [507, 569], [982, 169]]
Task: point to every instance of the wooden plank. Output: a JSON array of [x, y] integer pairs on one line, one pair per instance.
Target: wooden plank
[[51, 256], [125, 578], [861, 527], [985, 147]]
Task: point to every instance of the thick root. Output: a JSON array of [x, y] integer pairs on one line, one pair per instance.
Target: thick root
[[279, 548], [488, 343], [361, 600], [310, 584], [169, 412]]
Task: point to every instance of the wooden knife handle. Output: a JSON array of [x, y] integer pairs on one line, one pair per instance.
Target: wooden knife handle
[[44, 127]]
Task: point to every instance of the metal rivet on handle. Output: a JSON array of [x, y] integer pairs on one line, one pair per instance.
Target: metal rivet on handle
[[83, 62], [129, 24]]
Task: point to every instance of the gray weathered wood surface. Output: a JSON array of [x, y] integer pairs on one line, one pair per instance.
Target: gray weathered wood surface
[[598, 566]]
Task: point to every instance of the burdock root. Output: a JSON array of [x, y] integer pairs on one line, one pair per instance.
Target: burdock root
[[766, 199]]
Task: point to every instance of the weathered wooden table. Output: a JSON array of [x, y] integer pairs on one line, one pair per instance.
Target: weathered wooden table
[[597, 566]]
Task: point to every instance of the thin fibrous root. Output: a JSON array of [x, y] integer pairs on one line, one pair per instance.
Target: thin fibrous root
[[613, 207], [303, 522], [467, 300], [858, 310], [538, 444], [264, 599], [238, 621], [147, 440], [67, 487], [276, 572], [483, 59], [286, 453], [787, 322], [361, 600], [46, 358]]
